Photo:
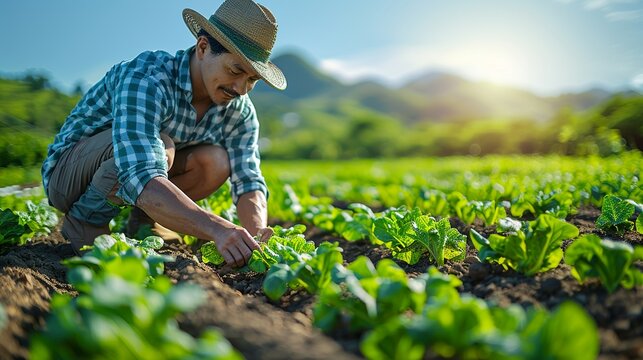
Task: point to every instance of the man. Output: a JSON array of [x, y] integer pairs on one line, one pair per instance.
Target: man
[[160, 132]]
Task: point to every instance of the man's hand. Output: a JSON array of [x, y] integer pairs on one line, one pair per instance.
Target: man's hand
[[236, 246], [264, 234]]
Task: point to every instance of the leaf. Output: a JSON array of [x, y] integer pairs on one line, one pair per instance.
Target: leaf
[[544, 242], [10, 228], [610, 261], [276, 281], [185, 297], [210, 254], [152, 242], [615, 214], [104, 242], [569, 333]]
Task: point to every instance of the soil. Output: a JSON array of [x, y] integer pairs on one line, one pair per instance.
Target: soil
[[262, 329]]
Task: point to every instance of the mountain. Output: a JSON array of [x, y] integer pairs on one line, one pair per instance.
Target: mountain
[[434, 96], [304, 80]]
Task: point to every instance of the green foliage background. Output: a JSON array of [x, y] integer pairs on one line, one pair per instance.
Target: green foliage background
[[322, 119]]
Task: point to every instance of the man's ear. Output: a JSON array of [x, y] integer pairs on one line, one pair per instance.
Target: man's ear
[[202, 45]]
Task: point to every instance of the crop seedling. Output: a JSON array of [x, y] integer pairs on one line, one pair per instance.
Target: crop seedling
[[615, 215], [613, 262], [18, 227], [533, 249]]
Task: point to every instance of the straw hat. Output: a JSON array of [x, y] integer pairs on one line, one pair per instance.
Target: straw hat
[[246, 29]]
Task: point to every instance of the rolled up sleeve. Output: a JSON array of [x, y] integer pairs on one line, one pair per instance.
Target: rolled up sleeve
[[139, 106], [243, 150]]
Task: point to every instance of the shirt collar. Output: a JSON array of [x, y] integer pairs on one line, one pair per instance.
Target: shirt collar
[[183, 80]]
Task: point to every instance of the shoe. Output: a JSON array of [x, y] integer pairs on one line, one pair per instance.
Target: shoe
[[81, 233], [140, 225]]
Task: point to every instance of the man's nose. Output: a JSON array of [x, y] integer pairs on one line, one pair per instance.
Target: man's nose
[[241, 86]]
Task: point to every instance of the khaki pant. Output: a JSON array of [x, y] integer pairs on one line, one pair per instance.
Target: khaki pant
[[90, 161]]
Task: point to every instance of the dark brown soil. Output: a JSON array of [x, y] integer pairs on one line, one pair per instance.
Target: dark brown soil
[[260, 329]]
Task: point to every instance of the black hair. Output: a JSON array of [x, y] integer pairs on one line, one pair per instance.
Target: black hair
[[215, 46]]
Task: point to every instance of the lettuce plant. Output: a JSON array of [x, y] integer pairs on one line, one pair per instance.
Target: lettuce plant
[[557, 203], [18, 227], [410, 235], [356, 224], [361, 296], [119, 313], [611, 261], [462, 208], [118, 255], [116, 319], [291, 261], [440, 239], [533, 249], [615, 214], [489, 212]]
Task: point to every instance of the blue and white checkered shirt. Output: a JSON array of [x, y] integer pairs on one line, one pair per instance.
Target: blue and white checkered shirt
[[149, 95]]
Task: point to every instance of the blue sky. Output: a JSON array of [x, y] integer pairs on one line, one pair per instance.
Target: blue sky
[[547, 46]]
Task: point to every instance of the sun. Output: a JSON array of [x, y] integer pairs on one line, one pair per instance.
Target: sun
[[502, 63]]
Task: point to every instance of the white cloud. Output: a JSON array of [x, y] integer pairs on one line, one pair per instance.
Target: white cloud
[[614, 10], [493, 62], [602, 4], [624, 15], [392, 64], [637, 83]]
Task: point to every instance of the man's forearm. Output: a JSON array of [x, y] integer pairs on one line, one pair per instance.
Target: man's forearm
[[253, 211], [170, 207]]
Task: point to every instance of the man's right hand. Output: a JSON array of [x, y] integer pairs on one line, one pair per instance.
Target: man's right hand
[[236, 246], [170, 207]]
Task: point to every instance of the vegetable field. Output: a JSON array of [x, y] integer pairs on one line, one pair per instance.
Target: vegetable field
[[468, 258]]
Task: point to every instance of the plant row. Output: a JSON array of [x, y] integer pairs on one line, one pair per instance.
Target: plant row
[[125, 308], [404, 318]]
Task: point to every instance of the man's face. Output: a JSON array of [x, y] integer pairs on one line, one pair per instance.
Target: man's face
[[226, 77]]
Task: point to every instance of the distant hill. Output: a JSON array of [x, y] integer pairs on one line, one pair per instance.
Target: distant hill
[[434, 97], [319, 117], [304, 81]]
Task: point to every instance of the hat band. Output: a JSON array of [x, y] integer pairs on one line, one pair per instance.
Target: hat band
[[247, 46]]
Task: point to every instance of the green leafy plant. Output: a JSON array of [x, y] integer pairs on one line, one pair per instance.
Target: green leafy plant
[[615, 214], [291, 261], [18, 227], [440, 239], [611, 261], [362, 295], [557, 203], [117, 319], [488, 211], [469, 328], [132, 260], [410, 235], [534, 248], [356, 224], [462, 208], [126, 308]]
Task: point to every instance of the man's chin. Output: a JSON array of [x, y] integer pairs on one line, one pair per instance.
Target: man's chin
[[222, 102]]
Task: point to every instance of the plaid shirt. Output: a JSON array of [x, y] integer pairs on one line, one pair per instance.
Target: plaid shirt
[[151, 94]]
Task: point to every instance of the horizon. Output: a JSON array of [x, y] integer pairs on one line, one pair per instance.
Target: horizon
[[545, 47]]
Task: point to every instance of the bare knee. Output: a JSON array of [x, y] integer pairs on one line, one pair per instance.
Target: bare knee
[[213, 163], [170, 149]]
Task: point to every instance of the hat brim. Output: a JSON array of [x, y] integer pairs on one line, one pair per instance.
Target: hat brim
[[270, 73]]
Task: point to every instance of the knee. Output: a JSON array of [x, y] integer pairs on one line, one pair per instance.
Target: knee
[[170, 149], [214, 164]]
